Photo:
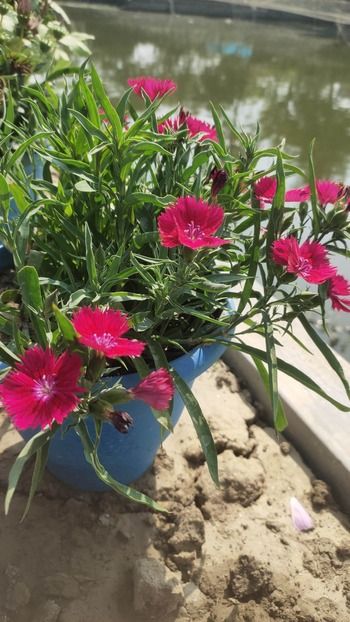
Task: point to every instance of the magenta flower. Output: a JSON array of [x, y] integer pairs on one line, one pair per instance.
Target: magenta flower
[[157, 389], [329, 191], [301, 519], [339, 292], [308, 260], [153, 87], [102, 330], [42, 389], [196, 126], [173, 124], [266, 187], [191, 222]]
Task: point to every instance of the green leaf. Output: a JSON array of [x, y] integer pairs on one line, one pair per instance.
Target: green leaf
[[30, 448], [93, 112], [38, 472], [10, 113], [19, 196], [88, 126], [110, 111], [312, 181], [253, 266], [291, 371], [325, 351], [22, 148], [65, 325], [28, 281], [276, 216], [7, 356], [199, 159], [4, 195], [91, 456], [280, 418], [121, 106], [90, 257], [234, 131], [218, 125], [84, 186], [200, 425]]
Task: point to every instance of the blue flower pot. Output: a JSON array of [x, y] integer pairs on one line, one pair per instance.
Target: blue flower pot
[[125, 456], [34, 169]]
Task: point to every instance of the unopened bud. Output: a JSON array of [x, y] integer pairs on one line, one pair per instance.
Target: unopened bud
[[219, 178], [122, 421], [24, 7]]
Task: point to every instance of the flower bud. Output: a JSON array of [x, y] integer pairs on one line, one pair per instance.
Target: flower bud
[[24, 7], [219, 178], [122, 421]]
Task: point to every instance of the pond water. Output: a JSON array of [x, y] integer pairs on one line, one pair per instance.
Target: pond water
[[293, 79]]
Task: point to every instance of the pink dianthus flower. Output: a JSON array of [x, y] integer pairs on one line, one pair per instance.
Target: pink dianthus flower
[[308, 260], [42, 388], [153, 87], [196, 126], [156, 389], [266, 187], [191, 222], [102, 330], [339, 293], [329, 191]]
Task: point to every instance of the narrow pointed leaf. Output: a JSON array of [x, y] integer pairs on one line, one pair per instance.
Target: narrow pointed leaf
[[90, 257], [65, 325], [38, 472], [124, 490], [325, 351], [293, 372], [281, 421], [200, 424], [28, 280], [30, 448]]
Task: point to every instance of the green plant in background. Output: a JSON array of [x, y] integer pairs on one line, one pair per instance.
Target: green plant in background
[[155, 219], [36, 43]]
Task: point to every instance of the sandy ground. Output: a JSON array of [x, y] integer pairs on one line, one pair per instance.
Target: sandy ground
[[220, 555]]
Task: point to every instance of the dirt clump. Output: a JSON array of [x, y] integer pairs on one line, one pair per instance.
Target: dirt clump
[[249, 580], [321, 496], [241, 481]]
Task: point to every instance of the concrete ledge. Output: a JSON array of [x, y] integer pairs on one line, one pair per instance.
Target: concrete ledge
[[318, 430]]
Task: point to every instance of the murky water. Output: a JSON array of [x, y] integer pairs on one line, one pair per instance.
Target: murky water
[[293, 79]]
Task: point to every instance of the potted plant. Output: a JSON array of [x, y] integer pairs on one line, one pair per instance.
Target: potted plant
[[36, 45], [152, 244]]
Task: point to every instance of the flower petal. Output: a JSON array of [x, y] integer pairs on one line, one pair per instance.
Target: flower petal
[[301, 520]]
